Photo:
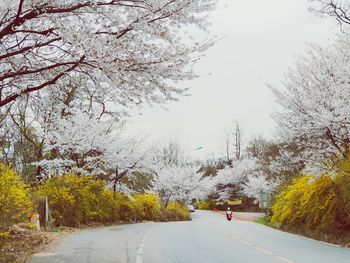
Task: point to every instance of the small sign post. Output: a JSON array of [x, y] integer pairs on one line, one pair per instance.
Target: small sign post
[[264, 200], [43, 209]]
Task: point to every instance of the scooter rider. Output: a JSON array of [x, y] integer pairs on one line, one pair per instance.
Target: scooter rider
[[228, 214]]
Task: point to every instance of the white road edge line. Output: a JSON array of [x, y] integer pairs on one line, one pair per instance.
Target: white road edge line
[[300, 236], [139, 258]]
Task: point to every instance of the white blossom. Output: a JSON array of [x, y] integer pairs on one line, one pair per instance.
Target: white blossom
[[257, 183], [248, 177], [129, 50], [89, 145], [315, 105], [181, 183]]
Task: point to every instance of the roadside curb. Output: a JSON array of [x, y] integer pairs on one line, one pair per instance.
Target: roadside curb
[[304, 237]]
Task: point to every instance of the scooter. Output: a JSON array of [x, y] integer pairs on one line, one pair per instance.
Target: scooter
[[229, 215]]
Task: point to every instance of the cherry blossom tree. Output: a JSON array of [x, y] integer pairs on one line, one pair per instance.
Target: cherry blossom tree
[[245, 177], [181, 183], [85, 144], [257, 183], [67, 66], [315, 106], [29, 118], [230, 179], [130, 50], [282, 161]]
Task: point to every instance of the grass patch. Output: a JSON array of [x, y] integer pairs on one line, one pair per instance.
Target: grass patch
[[263, 221]]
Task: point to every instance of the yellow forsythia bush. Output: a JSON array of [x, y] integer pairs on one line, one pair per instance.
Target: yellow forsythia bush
[[15, 204], [307, 204], [205, 205], [176, 211], [146, 206], [74, 200]]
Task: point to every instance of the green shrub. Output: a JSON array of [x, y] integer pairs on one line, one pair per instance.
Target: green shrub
[[262, 221], [15, 204]]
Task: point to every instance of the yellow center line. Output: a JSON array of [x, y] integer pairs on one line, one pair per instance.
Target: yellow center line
[[284, 259], [265, 251], [218, 228], [245, 242]]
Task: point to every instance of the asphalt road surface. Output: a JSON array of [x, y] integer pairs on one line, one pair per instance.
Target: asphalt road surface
[[208, 238]]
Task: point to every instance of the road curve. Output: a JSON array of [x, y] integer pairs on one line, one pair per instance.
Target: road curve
[[208, 238]]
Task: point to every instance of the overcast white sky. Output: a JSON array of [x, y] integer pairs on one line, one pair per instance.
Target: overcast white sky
[[261, 40]]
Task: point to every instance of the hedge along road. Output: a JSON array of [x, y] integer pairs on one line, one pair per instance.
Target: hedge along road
[[207, 238]]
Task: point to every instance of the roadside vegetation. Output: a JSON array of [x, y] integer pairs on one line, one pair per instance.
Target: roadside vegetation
[[316, 206], [314, 121], [80, 200], [15, 202], [263, 221], [205, 205], [75, 201]]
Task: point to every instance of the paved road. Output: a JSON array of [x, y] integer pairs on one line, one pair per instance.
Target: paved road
[[208, 238]]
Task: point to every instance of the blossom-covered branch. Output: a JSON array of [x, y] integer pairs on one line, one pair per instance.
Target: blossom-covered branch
[[132, 49]]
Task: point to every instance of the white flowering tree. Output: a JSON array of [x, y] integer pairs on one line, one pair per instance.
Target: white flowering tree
[[229, 181], [85, 144], [130, 50], [239, 170], [246, 177], [257, 183], [315, 109], [181, 183]]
